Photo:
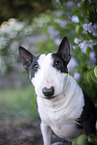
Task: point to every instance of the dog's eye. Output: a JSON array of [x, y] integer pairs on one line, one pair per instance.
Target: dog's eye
[[36, 65], [57, 62]]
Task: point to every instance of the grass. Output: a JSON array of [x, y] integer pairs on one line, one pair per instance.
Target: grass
[[18, 103]]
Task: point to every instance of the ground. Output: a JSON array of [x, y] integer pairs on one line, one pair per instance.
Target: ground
[[21, 132]]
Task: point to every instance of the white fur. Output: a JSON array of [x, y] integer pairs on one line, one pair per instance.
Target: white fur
[[60, 113]]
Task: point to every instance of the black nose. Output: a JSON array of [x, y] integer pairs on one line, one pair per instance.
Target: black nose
[[48, 92]]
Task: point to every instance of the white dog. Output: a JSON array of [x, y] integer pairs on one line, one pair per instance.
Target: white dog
[[62, 106]]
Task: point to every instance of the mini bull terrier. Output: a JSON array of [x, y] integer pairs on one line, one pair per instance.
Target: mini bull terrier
[[62, 105]]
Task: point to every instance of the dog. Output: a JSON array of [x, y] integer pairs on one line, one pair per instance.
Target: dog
[[62, 105]]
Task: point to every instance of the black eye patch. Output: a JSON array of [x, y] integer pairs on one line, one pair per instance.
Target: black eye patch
[[34, 67], [59, 64]]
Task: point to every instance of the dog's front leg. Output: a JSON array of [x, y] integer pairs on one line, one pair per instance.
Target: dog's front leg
[[46, 133]]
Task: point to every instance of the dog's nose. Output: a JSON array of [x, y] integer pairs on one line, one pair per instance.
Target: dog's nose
[[48, 92]]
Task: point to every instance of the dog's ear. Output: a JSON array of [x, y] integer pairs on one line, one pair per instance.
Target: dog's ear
[[26, 57], [64, 50]]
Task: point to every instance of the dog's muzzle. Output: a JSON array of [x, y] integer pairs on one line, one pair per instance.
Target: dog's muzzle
[[48, 93]]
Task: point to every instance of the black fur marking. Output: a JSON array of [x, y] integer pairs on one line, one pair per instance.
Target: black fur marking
[[79, 125], [59, 63], [34, 67], [88, 117]]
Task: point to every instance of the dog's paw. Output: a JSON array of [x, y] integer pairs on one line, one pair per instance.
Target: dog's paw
[[58, 143], [62, 143]]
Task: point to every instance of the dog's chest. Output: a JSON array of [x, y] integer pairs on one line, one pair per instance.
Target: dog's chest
[[61, 120], [66, 129]]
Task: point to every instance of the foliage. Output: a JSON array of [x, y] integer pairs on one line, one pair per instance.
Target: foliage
[[87, 41], [22, 9], [12, 33], [61, 1], [81, 140], [92, 139]]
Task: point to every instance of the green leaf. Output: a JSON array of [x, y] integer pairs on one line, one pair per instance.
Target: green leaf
[[95, 71], [87, 51], [61, 1], [92, 139], [77, 29], [80, 140], [94, 78], [88, 77], [95, 48], [86, 8]]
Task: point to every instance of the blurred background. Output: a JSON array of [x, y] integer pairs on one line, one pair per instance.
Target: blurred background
[[39, 26]]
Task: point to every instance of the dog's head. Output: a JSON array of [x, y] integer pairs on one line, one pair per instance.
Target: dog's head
[[48, 72]]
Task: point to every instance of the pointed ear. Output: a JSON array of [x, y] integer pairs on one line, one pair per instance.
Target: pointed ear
[[26, 57], [64, 50]]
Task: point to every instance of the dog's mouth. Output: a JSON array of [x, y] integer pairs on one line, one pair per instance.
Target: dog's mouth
[[49, 97]]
